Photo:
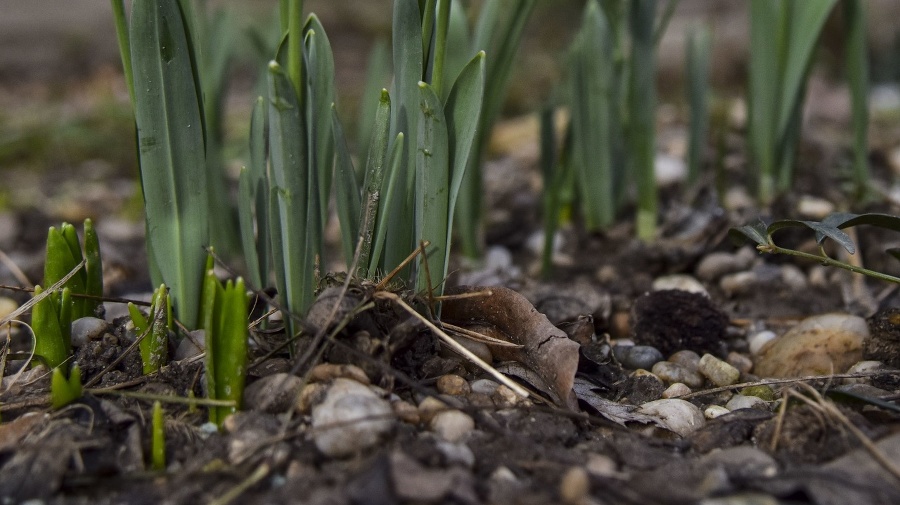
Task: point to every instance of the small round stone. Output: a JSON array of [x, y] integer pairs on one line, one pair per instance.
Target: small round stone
[[746, 402], [484, 386], [452, 384], [634, 357], [759, 340], [274, 393], [686, 358], [682, 282], [717, 371], [714, 411], [505, 397], [675, 390], [350, 419], [87, 328], [862, 367], [671, 373], [575, 486], [325, 372], [739, 361], [429, 407], [406, 412], [452, 425], [761, 391]]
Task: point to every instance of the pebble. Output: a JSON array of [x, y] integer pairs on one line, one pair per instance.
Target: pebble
[[668, 170], [601, 465], [325, 372], [739, 361], [504, 397], [758, 340], [742, 499], [716, 264], [429, 407], [87, 328], [634, 357], [359, 417], [575, 486], [738, 283], [761, 391], [312, 394], [714, 411], [683, 282], [7, 306], [452, 425], [738, 402], [452, 384], [686, 358], [678, 416], [274, 393], [794, 278], [814, 207], [677, 389], [717, 371], [406, 412], [863, 366], [671, 373], [819, 345], [484, 386], [456, 453]]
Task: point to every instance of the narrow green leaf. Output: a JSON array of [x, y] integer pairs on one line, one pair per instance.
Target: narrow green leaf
[[320, 63], [253, 205], [48, 334], [346, 191], [64, 391], [463, 111], [171, 145], [378, 74], [858, 77], [373, 184], [642, 113], [231, 347], [432, 185], [93, 267], [118, 8], [158, 438], [698, 58], [391, 185]]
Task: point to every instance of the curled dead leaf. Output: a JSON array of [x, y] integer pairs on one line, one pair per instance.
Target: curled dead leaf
[[541, 346]]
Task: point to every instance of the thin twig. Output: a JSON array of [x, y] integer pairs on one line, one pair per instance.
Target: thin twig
[[47, 292], [163, 398], [232, 494], [14, 269], [387, 278], [767, 382], [479, 337], [462, 296], [456, 346]]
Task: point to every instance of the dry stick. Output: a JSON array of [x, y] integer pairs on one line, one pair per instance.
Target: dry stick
[[456, 346], [111, 299], [828, 408], [47, 292], [767, 382], [479, 337], [164, 398], [387, 278], [462, 296]]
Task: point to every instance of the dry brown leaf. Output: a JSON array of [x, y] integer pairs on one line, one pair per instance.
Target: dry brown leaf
[[545, 348]]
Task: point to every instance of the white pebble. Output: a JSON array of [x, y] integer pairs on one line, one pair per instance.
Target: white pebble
[[678, 416], [714, 411], [758, 340], [677, 389], [484, 386], [679, 281], [746, 402], [860, 367], [452, 425], [351, 419]]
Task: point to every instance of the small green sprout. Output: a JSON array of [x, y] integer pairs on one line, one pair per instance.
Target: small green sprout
[[65, 391], [154, 346], [158, 438]]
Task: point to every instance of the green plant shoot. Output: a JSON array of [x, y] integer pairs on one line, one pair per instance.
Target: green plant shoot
[[154, 346], [64, 391], [158, 438]]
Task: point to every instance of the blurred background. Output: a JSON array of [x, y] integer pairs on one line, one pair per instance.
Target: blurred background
[[66, 131]]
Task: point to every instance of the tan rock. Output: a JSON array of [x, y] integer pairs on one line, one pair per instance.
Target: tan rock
[[819, 345]]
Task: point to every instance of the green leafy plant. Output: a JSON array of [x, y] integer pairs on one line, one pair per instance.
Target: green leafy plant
[[78, 270], [420, 146], [153, 331], [224, 318], [613, 103], [783, 37], [158, 438], [831, 227], [64, 391]]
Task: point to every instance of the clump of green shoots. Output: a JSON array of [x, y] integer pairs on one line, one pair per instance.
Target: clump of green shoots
[[783, 37], [64, 391], [612, 104], [78, 274], [224, 320], [831, 227]]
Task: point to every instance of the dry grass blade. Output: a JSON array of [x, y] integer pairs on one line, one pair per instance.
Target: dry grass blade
[[34, 300], [479, 337], [387, 278], [261, 472], [456, 346], [794, 380], [14, 269]]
